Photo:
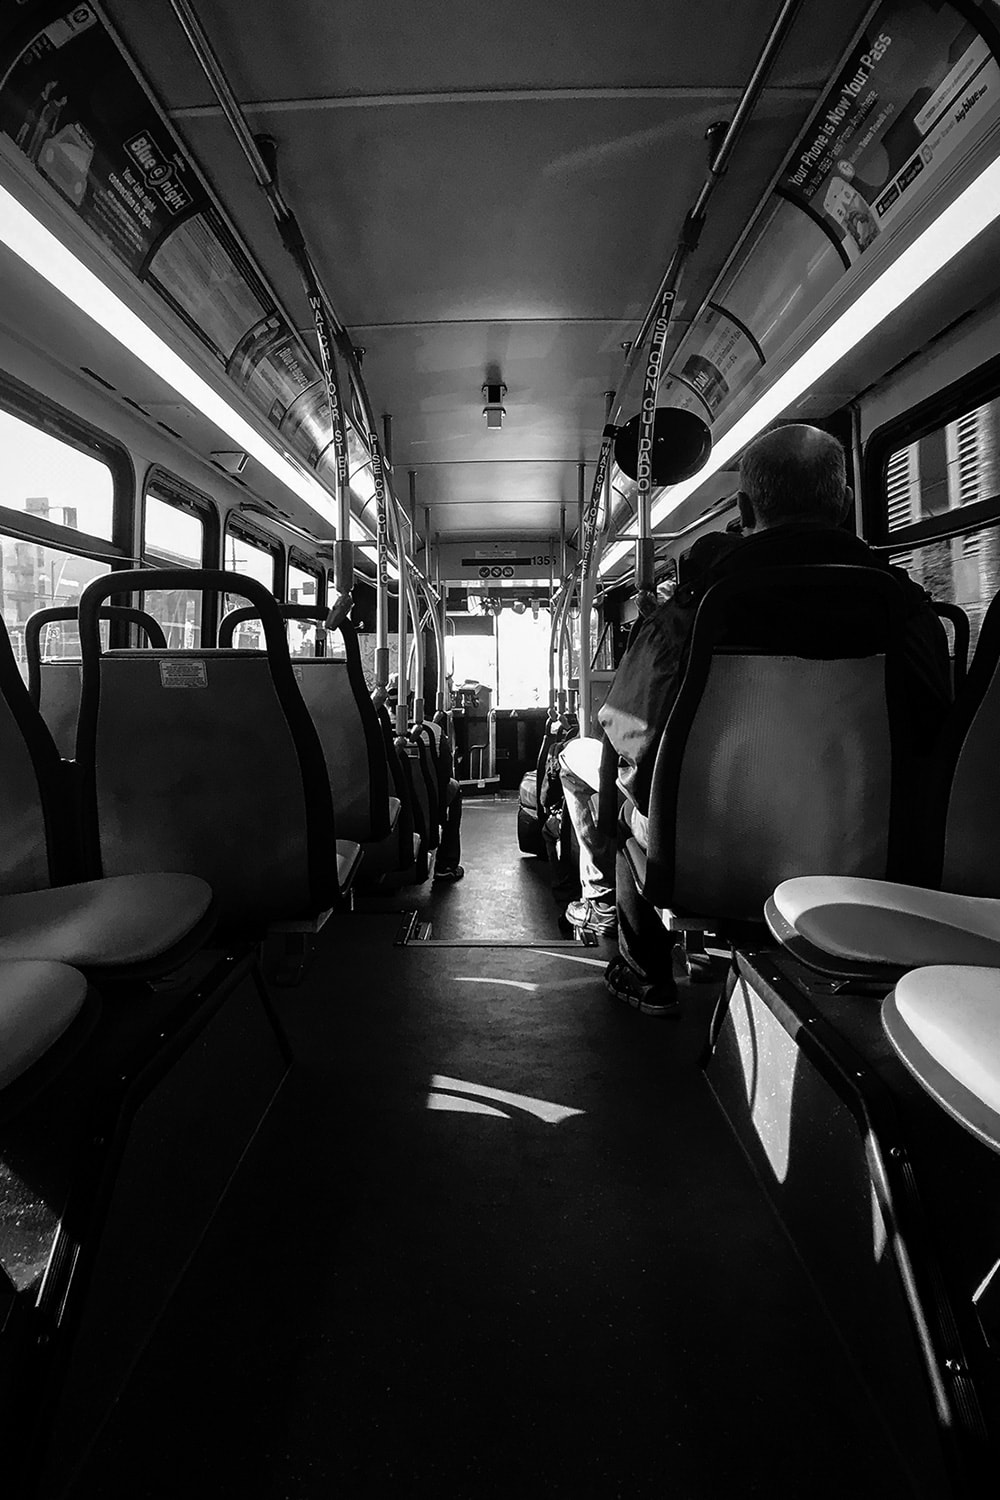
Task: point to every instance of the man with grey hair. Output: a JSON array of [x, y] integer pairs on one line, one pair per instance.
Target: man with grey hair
[[793, 498]]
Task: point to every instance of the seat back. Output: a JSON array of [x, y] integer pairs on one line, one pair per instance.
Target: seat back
[[337, 697], [964, 819], [206, 762], [54, 686], [777, 765], [36, 824]]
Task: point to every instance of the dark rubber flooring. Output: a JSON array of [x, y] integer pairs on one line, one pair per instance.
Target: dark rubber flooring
[[422, 1282]]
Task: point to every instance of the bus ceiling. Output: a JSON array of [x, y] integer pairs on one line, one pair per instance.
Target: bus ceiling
[[493, 211]]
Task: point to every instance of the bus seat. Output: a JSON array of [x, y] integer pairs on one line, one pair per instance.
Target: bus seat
[[40, 1005], [878, 928], [208, 761], [336, 695], [772, 765], [944, 1024], [848, 927], [54, 685], [394, 860], [131, 928]]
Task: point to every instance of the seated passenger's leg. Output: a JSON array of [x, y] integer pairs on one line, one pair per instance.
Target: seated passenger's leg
[[643, 976], [447, 865], [595, 909]]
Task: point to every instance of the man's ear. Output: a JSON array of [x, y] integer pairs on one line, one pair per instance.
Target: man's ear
[[747, 518], [848, 506]]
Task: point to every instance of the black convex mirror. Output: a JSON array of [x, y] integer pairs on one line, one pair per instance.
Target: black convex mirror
[[681, 445]]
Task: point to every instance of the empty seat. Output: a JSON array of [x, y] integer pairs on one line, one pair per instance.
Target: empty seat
[[139, 927], [54, 686], [944, 1024], [208, 761], [336, 694], [846, 926], [771, 765], [38, 1004]]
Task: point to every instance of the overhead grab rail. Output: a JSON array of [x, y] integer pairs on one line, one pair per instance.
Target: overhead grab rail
[[657, 322], [261, 154]]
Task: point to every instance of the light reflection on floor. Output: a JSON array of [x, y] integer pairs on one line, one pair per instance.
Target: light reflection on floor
[[456, 1088]]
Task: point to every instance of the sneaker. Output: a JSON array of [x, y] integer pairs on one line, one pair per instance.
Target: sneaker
[[450, 872], [598, 916], [651, 999]]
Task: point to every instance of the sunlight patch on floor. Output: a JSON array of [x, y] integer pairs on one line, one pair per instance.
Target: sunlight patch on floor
[[514, 984], [542, 1109]]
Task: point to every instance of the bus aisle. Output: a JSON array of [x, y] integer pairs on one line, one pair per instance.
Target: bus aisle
[[494, 1238]]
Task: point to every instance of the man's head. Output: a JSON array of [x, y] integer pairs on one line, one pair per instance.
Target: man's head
[[794, 473]]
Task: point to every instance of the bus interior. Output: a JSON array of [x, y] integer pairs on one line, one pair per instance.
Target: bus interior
[[367, 374]]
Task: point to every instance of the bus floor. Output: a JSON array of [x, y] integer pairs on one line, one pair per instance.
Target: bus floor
[[494, 1238]]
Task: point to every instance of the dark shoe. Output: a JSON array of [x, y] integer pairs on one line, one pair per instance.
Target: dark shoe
[[651, 999], [450, 872], [598, 916]]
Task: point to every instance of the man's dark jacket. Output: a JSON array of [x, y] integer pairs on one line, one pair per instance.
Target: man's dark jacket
[[639, 703]]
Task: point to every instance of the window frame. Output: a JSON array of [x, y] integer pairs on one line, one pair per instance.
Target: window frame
[[193, 502], [46, 416], [930, 415]]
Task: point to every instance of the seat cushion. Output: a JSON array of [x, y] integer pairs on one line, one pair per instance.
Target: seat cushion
[[125, 919], [37, 1003], [348, 860], [944, 1022], [877, 921]]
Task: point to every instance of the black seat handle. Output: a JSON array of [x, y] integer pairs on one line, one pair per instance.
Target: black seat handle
[[36, 623], [229, 622], [959, 622]]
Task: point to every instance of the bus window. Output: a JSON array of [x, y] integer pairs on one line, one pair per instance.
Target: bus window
[[940, 475], [36, 577], [174, 537], [253, 561], [46, 477], [303, 588]]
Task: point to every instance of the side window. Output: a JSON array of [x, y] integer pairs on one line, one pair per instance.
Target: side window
[[174, 537], [44, 478], [254, 561], [303, 588], [936, 489]]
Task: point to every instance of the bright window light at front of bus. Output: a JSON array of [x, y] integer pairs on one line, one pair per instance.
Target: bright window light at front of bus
[[29, 239], [955, 227]]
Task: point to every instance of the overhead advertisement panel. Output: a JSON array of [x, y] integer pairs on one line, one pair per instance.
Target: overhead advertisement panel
[[919, 85], [71, 102]]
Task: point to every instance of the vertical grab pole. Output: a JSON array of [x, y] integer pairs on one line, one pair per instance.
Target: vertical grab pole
[[381, 564], [444, 701], [552, 616]]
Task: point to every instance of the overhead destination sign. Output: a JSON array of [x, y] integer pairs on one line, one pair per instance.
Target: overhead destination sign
[[524, 561]]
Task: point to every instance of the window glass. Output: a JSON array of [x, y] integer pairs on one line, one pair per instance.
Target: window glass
[[242, 556], [523, 647], [962, 570], [45, 476], [303, 588], [955, 465], [173, 537], [35, 577]]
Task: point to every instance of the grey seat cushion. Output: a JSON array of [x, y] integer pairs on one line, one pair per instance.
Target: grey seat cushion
[[944, 1023], [348, 860], [37, 1003], [124, 919], [879, 921]]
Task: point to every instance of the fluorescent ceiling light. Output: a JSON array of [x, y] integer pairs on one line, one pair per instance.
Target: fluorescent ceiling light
[[29, 239], [954, 228]]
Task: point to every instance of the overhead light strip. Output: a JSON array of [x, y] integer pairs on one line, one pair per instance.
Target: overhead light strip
[[955, 227], [29, 239]]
